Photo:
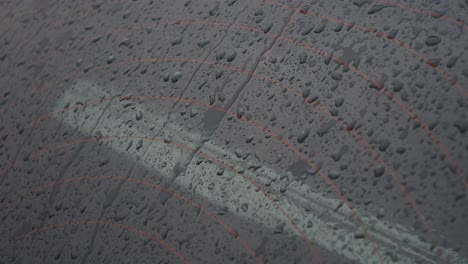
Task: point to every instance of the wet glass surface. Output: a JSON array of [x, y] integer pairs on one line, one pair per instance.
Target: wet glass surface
[[233, 131]]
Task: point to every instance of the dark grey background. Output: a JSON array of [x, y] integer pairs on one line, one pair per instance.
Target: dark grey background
[[48, 47]]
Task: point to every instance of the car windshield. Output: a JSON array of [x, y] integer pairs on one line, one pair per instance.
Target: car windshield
[[233, 131]]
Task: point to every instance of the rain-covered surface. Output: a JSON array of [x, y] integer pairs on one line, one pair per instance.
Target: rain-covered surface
[[232, 131]]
